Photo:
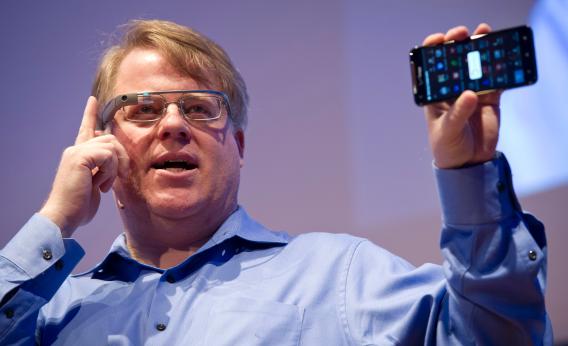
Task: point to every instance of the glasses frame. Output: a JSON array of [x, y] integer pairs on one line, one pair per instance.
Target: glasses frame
[[129, 99]]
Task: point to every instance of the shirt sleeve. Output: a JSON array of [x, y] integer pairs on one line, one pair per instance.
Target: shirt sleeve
[[494, 260], [33, 265], [490, 289]]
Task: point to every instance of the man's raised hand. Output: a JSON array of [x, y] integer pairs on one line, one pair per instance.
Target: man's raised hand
[[88, 167]]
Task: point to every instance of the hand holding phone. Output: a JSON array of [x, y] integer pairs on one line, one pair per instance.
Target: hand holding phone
[[463, 131]]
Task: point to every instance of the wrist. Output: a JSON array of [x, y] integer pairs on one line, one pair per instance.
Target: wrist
[[58, 219], [444, 163]]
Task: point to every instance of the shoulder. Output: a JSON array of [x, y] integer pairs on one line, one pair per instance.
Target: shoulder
[[347, 247], [326, 241]]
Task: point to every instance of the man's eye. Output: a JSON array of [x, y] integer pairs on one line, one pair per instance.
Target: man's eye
[[198, 112], [197, 109], [146, 110], [143, 112]]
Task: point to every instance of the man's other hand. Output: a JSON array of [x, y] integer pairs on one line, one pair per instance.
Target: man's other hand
[[463, 131]]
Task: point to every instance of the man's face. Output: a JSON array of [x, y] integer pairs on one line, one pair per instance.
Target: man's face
[[207, 187]]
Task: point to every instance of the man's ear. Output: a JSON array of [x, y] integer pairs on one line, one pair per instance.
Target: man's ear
[[240, 139]]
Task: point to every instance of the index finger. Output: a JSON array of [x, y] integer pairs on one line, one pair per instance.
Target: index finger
[[89, 122]]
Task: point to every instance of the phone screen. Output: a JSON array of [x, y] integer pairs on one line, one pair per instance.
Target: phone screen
[[498, 60]]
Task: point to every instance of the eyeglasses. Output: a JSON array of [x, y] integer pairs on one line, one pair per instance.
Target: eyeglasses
[[147, 107]]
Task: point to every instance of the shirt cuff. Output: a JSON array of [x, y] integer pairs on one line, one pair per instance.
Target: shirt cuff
[[478, 194], [37, 246]]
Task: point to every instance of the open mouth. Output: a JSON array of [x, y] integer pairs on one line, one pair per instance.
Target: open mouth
[[175, 165]]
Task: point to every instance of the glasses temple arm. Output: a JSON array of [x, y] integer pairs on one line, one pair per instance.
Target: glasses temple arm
[[113, 106]]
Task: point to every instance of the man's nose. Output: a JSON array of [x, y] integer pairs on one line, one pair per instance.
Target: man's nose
[[173, 124]]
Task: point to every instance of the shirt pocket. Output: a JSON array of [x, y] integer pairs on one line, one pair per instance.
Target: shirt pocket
[[250, 322]]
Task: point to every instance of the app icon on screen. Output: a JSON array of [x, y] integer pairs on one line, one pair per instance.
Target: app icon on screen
[[519, 76]]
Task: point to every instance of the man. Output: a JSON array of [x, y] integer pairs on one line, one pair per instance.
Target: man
[[165, 131]]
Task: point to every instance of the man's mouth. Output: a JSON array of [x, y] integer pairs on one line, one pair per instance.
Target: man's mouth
[[175, 165]]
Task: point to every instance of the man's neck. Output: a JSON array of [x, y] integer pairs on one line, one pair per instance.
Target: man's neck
[[165, 243]]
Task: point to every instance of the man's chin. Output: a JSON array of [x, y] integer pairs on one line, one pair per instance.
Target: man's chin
[[173, 209]]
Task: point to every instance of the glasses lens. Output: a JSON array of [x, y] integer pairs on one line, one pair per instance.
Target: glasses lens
[[149, 108], [202, 106]]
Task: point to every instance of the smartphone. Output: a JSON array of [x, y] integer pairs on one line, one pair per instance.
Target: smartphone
[[498, 60]]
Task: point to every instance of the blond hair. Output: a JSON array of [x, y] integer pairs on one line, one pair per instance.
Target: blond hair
[[188, 51]]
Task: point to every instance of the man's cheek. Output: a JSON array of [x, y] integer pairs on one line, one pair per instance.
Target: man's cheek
[[137, 169], [130, 186]]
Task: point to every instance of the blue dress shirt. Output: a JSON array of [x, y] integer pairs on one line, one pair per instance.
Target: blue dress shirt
[[251, 286]]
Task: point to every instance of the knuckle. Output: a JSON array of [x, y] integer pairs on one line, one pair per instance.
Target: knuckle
[[69, 151]]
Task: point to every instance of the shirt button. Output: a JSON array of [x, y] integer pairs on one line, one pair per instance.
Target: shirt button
[[59, 265], [9, 312], [500, 186], [47, 255], [532, 255], [160, 327], [170, 279]]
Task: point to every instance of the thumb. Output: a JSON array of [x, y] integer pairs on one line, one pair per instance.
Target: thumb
[[462, 110]]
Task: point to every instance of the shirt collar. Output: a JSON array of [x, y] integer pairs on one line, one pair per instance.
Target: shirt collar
[[242, 225], [239, 224]]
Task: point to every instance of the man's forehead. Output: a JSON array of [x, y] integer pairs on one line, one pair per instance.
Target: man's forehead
[[149, 70], [141, 62]]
